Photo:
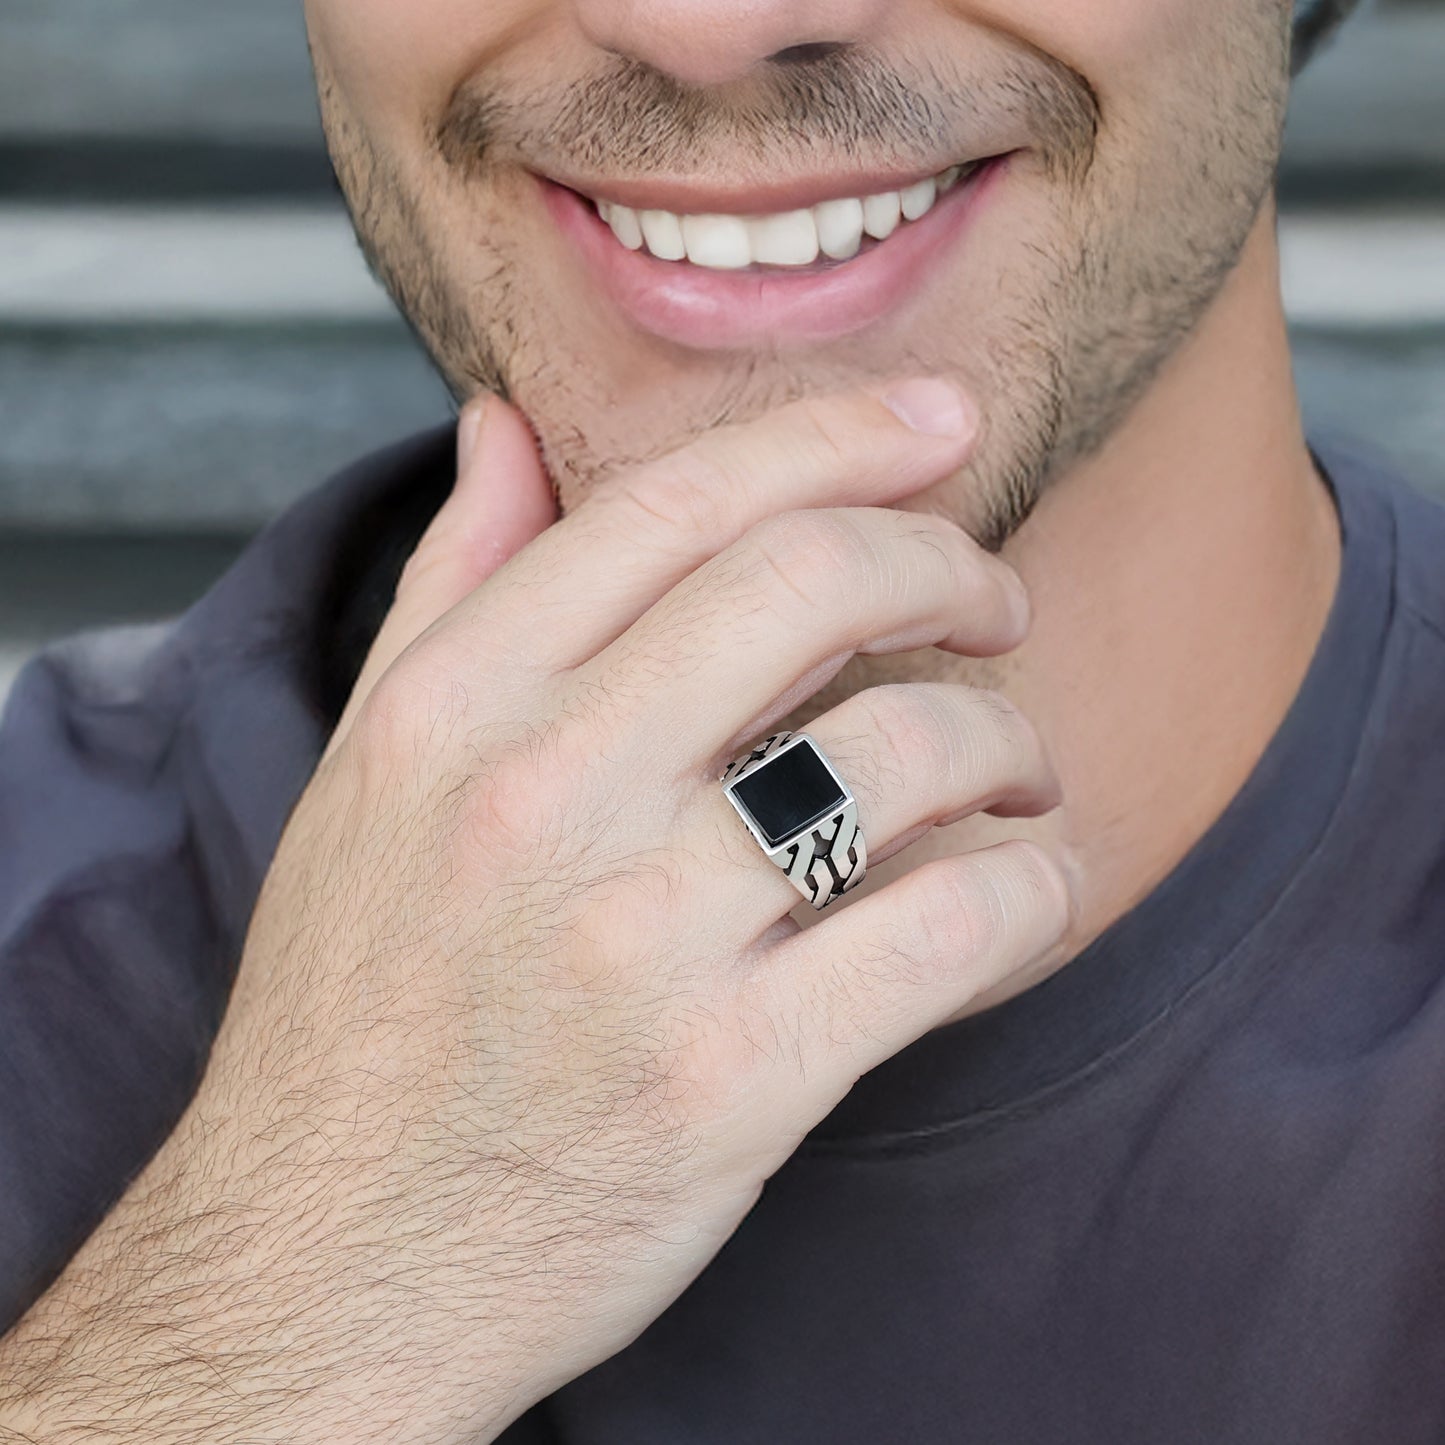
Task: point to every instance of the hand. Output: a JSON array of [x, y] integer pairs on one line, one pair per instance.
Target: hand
[[523, 1024]]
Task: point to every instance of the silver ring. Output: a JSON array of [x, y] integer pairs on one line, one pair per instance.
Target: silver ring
[[803, 815]]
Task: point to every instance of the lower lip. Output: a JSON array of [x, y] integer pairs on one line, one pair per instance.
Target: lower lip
[[718, 310]]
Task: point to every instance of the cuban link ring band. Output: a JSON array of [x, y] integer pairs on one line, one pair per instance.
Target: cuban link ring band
[[803, 815]]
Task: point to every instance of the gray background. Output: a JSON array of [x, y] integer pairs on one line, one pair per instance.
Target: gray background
[[188, 336]]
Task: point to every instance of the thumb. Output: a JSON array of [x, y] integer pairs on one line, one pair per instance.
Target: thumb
[[502, 499]]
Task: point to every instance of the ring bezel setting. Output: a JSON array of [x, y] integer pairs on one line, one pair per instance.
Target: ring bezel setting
[[801, 813]]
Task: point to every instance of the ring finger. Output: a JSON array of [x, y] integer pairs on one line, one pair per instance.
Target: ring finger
[[912, 754]]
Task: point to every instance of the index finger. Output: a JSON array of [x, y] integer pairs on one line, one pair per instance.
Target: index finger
[[590, 576]]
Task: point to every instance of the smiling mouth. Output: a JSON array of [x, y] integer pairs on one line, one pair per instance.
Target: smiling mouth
[[721, 272], [811, 238]]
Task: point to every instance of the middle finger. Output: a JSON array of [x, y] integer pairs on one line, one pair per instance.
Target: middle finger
[[779, 612]]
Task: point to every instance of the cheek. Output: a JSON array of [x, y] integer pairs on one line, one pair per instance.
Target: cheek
[[397, 64], [1136, 55]]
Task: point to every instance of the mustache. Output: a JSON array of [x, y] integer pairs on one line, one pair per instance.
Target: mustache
[[631, 118]]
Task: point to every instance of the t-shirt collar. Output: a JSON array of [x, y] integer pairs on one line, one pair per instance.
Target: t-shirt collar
[[1198, 917]]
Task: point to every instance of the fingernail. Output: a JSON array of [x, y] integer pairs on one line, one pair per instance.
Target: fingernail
[[930, 405], [469, 428]]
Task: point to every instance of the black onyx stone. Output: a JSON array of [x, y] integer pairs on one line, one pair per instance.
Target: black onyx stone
[[791, 791]]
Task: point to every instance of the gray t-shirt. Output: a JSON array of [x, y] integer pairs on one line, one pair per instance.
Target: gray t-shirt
[[1189, 1189]]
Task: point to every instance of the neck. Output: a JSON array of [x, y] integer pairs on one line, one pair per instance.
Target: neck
[[1180, 580]]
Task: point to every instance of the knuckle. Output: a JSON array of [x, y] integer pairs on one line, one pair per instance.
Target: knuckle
[[981, 909], [1036, 883], [982, 577], [387, 721], [685, 495], [1009, 894], [1002, 728], [824, 433], [960, 915], [809, 559], [927, 558], [408, 728], [941, 536], [513, 808], [504, 811], [912, 732], [964, 550], [951, 739]]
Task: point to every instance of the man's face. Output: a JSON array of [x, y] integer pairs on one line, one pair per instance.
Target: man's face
[[1134, 141]]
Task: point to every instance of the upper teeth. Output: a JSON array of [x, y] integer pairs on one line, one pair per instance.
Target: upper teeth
[[791, 238]]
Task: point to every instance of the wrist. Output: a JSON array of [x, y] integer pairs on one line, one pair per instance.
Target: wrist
[[245, 1289]]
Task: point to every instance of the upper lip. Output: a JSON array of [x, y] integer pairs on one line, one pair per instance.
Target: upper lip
[[695, 198]]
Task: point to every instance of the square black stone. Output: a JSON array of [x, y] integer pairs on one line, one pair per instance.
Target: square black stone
[[792, 790]]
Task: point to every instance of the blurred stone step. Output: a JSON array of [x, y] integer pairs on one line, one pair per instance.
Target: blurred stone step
[[189, 69], [196, 427], [1367, 118], [94, 265]]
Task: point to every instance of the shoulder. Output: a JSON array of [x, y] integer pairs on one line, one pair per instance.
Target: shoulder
[[214, 718], [298, 576], [146, 773]]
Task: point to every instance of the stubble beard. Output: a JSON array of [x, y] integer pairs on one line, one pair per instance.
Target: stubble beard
[[1136, 252]]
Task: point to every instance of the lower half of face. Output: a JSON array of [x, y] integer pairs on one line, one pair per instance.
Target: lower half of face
[[637, 234]]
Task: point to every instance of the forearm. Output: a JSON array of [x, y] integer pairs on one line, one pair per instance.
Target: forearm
[[235, 1293]]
